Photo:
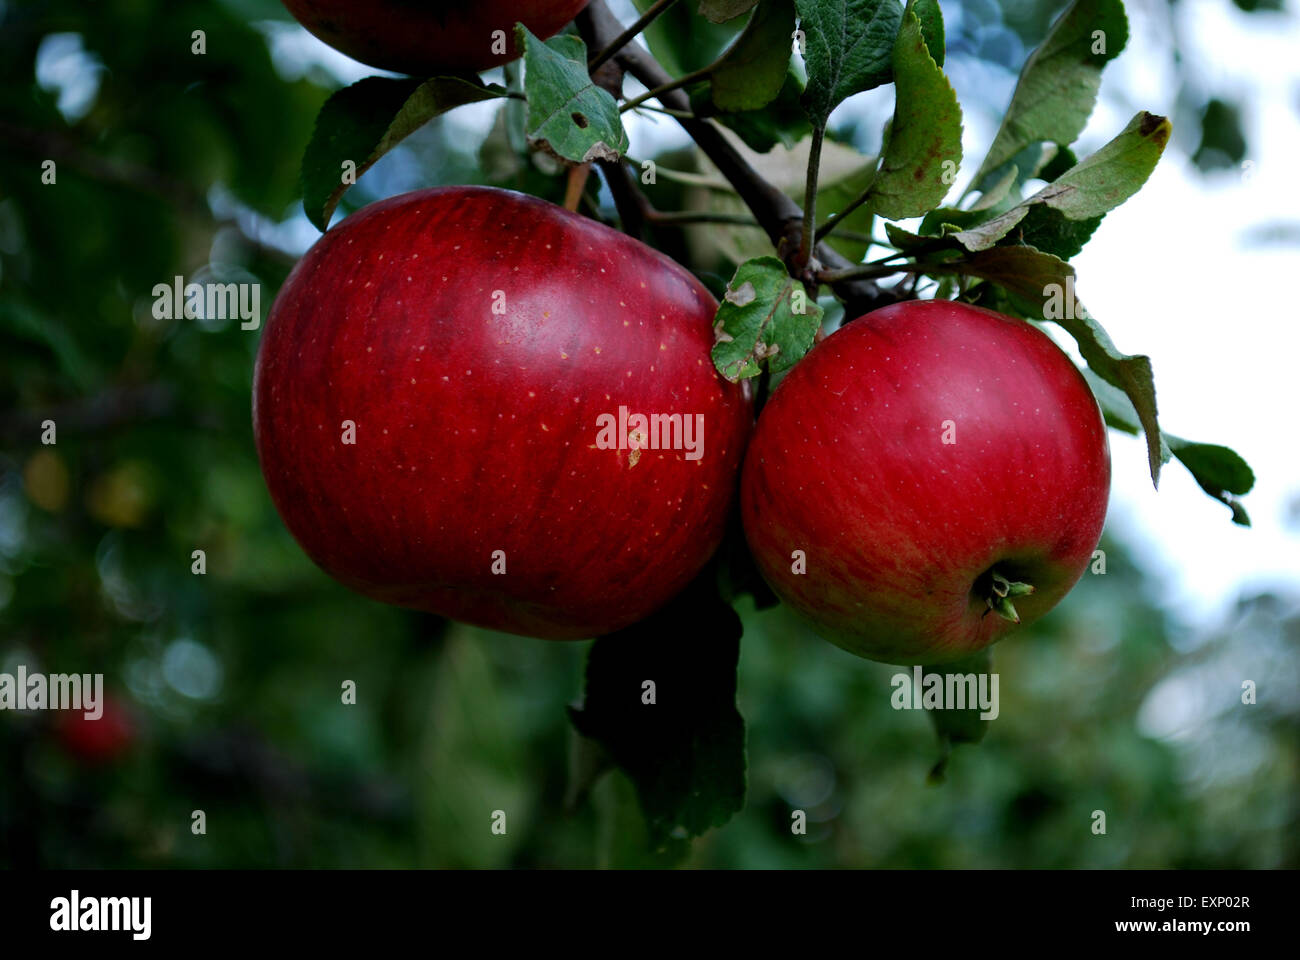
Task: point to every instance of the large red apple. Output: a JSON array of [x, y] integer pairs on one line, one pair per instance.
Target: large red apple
[[934, 461], [428, 37], [486, 345]]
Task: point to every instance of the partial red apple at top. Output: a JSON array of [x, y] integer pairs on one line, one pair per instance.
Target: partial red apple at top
[[426, 38], [447, 407], [926, 476]]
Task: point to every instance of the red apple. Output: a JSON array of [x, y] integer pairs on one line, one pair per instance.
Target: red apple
[[934, 461], [427, 37], [481, 341], [98, 741]]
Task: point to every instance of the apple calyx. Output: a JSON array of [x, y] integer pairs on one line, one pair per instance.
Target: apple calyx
[[997, 592]]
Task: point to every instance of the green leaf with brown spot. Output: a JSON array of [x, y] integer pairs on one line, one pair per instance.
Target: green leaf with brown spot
[[765, 318], [922, 145], [1092, 187]]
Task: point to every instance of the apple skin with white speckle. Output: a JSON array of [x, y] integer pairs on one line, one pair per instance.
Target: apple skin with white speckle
[[474, 339], [912, 454]]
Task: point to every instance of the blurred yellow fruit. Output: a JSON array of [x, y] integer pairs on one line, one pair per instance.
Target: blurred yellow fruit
[[122, 496], [45, 478]]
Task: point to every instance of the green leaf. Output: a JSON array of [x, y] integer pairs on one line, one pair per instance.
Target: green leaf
[[1091, 187], [782, 121], [1056, 160], [1042, 288], [685, 752], [1223, 144], [1052, 232], [720, 11], [849, 47], [1218, 470], [568, 115], [904, 240], [931, 17], [751, 73], [922, 145], [361, 123], [952, 726], [1058, 85], [757, 322]]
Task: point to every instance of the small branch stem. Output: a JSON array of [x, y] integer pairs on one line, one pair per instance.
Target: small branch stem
[[624, 38], [573, 189], [678, 114], [832, 222], [683, 81], [867, 270], [810, 196]]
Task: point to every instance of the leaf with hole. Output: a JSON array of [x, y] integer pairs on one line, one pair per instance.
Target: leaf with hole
[[568, 115]]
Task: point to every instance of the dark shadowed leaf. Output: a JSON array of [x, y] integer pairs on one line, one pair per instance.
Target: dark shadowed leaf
[[754, 68], [685, 752], [360, 123]]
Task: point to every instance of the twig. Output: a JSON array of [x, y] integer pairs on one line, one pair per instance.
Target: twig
[[627, 198], [834, 221], [683, 81], [577, 180], [810, 196], [677, 114], [780, 216], [869, 270], [619, 42]]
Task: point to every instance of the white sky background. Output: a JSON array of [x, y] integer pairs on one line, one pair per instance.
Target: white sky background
[[1171, 273]]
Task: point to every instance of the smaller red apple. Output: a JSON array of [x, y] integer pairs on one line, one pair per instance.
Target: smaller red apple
[[927, 476]]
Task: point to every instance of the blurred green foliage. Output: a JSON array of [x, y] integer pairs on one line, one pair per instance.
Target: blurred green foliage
[[172, 163]]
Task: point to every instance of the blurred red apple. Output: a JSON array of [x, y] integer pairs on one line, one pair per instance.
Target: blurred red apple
[[98, 741]]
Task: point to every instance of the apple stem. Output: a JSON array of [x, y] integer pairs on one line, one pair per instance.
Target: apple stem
[[573, 189], [998, 591]]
